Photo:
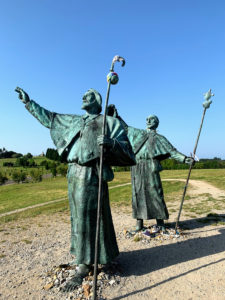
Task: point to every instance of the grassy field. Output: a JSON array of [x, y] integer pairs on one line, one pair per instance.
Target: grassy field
[[17, 196]]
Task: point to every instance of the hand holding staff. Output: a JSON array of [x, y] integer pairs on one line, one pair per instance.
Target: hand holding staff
[[206, 105]]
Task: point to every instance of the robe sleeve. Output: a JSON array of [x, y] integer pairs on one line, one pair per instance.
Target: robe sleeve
[[44, 116], [178, 156], [164, 148], [121, 153], [63, 127]]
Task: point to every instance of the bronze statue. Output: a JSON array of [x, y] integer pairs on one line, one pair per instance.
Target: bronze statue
[[79, 137], [149, 148]]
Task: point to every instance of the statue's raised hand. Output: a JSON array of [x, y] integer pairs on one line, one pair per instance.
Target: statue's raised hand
[[22, 95]]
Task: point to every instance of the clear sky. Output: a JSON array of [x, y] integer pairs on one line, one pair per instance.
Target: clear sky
[[56, 50]]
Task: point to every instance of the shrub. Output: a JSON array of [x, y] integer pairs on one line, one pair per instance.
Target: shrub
[[44, 163], [62, 170], [36, 175], [31, 162], [2, 178], [16, 155], [120, 169], [19, 176], [8, 164], [53, 171], [22, 162]]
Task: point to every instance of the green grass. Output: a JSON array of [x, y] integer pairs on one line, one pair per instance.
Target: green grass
[[172, 190], [23, 195], [17, 196], [120, 195], [120, 178], [205, 206], [48, 209], [2, 160]]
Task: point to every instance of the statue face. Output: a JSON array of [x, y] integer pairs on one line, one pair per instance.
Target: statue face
[[88, 100], [151, 122]]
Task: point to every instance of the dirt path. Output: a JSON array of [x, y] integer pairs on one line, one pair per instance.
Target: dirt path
[[201, 187], [188, 268]]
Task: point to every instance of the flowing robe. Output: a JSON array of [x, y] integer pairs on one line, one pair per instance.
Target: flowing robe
[[147, 194], [76, 137]]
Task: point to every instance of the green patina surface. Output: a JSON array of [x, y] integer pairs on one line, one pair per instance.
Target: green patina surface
[[147, 192], [78, 138]]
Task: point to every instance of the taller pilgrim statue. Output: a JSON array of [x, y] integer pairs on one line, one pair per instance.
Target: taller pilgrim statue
[[78, 137]]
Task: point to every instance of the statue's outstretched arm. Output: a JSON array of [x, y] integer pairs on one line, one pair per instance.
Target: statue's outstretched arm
[[180, 157]]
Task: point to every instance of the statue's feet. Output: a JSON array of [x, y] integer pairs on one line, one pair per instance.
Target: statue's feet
[[72, 263], [139, 229], [136, 230], [73, 283], [164, 231], [155, 229], [139, 225], [77, 279]]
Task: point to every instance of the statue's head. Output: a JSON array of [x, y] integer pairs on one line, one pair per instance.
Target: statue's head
[[152, 122], [92, 100]]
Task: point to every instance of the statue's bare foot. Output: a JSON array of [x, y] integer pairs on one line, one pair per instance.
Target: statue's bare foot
[[73, 282], [83, 271], [72, 263]]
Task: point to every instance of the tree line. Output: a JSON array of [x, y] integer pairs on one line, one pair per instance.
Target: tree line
[[31, 171], [205, 163], [9, 154], [56, 164]]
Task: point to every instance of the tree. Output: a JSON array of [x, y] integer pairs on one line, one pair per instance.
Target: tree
[[29, 155], [52, 154]]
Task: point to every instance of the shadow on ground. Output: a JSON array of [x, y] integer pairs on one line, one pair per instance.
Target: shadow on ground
[[199, 222], [144, 261]]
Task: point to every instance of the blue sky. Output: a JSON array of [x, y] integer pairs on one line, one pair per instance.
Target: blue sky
[[56, 50]]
